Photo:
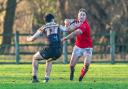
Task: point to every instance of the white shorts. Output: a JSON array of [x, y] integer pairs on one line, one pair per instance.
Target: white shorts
[[77, 51]]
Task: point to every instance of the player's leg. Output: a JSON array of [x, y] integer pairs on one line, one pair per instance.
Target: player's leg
[[87, 61], [35, 60], [74, 59], [53, 56], [48, 70]]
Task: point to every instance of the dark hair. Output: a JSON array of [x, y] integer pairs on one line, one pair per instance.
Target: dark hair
[[48, 18], [83, 10]]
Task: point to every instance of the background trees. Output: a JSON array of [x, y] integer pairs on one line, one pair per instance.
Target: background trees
[[103, 15]]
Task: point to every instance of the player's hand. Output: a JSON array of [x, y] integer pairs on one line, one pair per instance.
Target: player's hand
[[66, 22], [29, 38], [63, 39], [77, 24]]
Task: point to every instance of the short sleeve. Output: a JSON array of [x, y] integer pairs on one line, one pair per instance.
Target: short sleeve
[[63, 28]]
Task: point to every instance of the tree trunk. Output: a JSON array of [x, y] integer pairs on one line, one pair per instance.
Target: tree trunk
[[8, 25], [61, 8]]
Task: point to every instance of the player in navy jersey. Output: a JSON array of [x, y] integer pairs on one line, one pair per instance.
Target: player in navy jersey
[[52, 52]]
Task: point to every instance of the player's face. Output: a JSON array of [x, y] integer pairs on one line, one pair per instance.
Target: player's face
[[82, 16]]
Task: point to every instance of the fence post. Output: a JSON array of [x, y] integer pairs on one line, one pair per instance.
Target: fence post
[[112, 44], [65, 49], [17, 55]]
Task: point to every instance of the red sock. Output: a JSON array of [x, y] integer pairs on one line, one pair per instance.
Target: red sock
[[83, 71]]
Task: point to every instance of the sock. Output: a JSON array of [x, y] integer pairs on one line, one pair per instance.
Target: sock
[[34, 77], [46, 77], [84, 70], [72, 69]]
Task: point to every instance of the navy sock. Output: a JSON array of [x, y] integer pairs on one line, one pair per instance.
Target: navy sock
[[34, 77], [72, 69]]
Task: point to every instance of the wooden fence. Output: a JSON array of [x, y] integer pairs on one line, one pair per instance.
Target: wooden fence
[[107, 47]]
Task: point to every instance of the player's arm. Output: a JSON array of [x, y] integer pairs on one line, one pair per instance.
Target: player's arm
[[72, 25], [36, 35], [63, 28], [69, 26], [73, 34]]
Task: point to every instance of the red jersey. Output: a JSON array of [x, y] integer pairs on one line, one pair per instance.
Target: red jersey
[[84, 40]]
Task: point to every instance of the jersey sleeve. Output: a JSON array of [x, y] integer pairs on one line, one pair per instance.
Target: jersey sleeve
[[63, 28], [41, 29], [37, 34]]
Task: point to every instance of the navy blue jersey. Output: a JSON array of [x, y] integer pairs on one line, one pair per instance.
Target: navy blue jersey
[[52, 32], [54, 49], [54, 40]]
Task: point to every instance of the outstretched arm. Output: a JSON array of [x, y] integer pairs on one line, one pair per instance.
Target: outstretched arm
[[70, 26], [67, 28], [73, 34], [35, 36]]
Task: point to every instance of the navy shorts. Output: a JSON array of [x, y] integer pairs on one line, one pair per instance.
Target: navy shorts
[[51, 52]]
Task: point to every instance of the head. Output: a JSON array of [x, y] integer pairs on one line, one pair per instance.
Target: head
[[49, 18], [82, 15]]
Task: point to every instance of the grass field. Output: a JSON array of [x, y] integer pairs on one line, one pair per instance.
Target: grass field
[[100, 76]]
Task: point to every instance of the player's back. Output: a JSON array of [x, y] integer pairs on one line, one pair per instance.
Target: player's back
[[53, 34]]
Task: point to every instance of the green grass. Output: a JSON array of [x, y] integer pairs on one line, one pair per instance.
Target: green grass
[[100, 76]]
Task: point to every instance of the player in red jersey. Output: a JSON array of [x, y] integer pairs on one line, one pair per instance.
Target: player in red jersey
[[83, 43]]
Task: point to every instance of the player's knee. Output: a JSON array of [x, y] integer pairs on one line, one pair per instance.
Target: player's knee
[[88, 62], [89, 58], [35, 57], [72, 64]]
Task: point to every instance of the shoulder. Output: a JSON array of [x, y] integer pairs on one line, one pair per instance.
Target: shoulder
[[85, 25], [49, 25]]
